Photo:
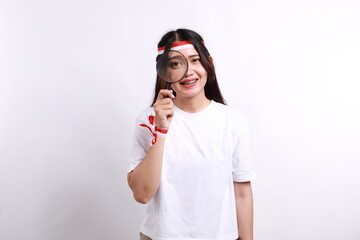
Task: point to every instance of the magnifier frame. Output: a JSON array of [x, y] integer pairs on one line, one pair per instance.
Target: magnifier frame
[[162, 65]]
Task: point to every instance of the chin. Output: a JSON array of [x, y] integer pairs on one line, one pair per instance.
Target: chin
[[189, 94]]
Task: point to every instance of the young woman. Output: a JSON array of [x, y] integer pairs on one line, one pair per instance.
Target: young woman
[[190, 158]]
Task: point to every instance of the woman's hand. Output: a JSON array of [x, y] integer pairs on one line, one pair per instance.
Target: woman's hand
[[163, 109]]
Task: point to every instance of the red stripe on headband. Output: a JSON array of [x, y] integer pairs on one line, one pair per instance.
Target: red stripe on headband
[[176, 44]]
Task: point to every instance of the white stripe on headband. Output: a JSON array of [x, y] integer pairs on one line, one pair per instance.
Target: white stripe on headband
[[177, 46]]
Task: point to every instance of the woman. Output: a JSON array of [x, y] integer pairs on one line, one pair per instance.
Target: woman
[[190, 158]]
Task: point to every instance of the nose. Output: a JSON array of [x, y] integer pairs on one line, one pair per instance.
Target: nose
[[189, 71]]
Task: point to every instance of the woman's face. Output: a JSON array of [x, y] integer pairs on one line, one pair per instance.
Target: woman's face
[[192, 85]]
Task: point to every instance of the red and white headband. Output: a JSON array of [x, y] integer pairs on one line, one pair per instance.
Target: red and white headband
[[177, 46]]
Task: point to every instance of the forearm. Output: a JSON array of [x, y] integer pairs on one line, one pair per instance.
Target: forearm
[[245, 218], [144, 180], [244, 212]]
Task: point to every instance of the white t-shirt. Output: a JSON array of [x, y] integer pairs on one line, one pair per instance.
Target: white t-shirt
[[204, 154]]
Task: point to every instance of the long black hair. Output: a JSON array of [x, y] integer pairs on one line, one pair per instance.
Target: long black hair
[[212, 90]]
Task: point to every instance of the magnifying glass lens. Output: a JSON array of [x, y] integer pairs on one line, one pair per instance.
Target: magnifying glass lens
[[171, 67]]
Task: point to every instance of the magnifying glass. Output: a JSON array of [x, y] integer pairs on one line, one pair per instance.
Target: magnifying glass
[[171, 67]]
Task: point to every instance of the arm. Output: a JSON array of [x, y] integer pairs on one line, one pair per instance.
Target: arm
[[144, 180], [244, 209]]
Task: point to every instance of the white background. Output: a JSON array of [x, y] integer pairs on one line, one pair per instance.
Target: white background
[[75, 74]]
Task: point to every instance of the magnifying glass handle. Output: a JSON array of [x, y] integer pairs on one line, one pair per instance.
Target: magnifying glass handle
[[168, 87]]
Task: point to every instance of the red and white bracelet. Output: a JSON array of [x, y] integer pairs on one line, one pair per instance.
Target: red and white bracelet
[[160, 132]]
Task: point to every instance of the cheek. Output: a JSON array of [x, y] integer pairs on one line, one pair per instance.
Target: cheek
[[203, 74], [175, 87]]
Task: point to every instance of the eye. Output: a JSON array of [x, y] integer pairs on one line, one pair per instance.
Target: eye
[[175, 64], [195, 60]]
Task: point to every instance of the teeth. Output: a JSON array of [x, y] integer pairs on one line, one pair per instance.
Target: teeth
[[190, 82]]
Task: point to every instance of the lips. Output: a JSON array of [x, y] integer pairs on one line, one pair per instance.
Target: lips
[[189, 81]]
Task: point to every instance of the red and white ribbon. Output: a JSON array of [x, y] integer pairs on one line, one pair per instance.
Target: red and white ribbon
[[160, 132], [154, 130], [177, 46]]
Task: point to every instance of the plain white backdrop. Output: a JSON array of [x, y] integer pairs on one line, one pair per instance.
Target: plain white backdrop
[[75, 74]]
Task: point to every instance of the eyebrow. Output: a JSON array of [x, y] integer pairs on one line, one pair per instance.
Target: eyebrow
[[174, 57], [195, 55]]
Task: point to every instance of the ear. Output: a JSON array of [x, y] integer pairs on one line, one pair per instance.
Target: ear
[[211, 59]]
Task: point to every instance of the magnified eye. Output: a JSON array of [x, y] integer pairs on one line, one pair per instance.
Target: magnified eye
[[175, 64]]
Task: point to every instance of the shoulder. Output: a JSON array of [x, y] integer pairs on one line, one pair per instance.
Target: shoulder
[[145, 115], [234, 117], [230, 112]]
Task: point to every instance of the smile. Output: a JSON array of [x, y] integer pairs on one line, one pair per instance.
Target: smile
[[188, 82]]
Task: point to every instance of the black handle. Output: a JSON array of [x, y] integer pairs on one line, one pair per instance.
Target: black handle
[[168, 87]]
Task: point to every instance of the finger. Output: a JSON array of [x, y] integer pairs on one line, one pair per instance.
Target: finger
[[166, 101], [165, 93], [165, 114], [162, 93], [162, 110]]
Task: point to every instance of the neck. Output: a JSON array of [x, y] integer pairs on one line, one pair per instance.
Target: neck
[[192, 105]]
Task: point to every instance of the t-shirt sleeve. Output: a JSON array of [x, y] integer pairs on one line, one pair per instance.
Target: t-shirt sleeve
[[243, 169], [143, 137]]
